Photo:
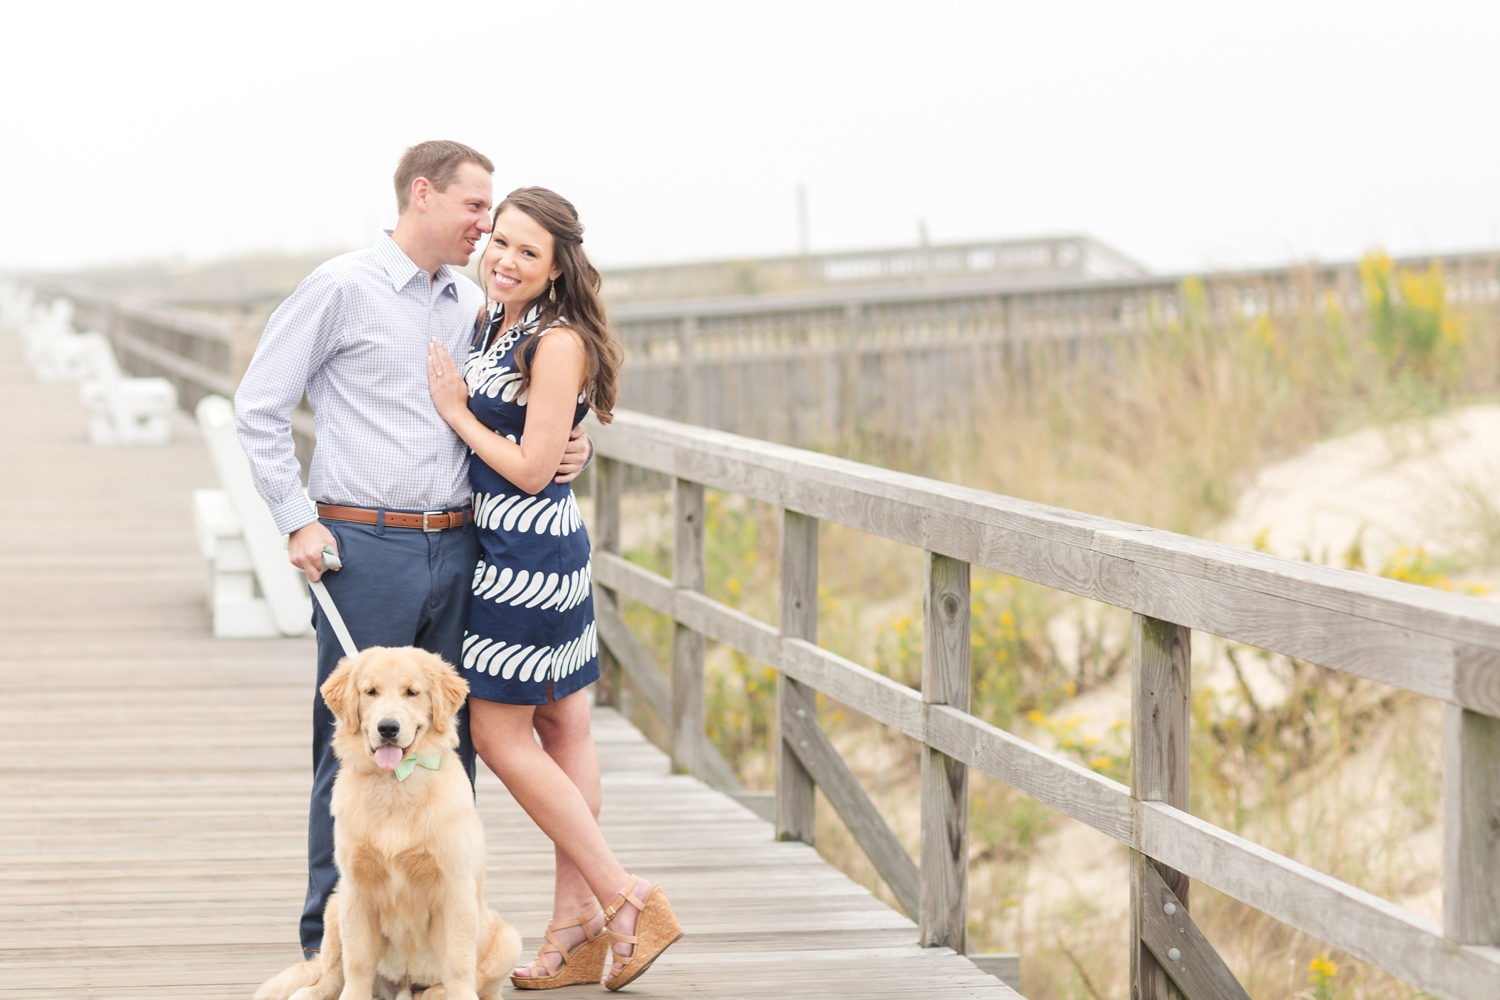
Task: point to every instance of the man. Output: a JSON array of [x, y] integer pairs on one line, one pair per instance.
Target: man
[[389, 480]]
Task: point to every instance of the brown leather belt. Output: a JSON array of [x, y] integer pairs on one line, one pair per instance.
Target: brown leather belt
[[432, 520]]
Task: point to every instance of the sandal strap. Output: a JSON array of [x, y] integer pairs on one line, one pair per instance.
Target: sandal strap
[[622, 897], [616, 939], [581, 921], [552, 944], [549, 945]]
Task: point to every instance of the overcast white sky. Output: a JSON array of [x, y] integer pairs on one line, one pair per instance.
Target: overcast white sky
[[1188, 134]]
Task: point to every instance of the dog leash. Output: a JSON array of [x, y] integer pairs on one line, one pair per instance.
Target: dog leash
[[331, 561]]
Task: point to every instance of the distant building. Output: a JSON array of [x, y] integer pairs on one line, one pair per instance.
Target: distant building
[[998, 261]]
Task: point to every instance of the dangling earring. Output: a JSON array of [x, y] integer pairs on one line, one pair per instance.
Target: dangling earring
[[552, 292]]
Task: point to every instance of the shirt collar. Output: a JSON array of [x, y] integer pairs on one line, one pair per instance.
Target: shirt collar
[[400, 269]]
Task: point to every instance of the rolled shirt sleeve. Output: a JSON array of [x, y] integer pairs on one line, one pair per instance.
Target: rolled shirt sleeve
[[299, 337]]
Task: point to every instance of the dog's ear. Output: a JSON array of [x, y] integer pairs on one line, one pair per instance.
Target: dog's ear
[[340, 693], [448, 692]]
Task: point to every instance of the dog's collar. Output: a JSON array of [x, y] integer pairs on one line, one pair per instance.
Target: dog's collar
[[431, 761]]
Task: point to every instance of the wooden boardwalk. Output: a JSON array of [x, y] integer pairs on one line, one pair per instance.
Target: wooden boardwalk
[[154, 780]]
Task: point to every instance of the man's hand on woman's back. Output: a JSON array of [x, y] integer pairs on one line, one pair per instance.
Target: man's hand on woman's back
[[575, 456]]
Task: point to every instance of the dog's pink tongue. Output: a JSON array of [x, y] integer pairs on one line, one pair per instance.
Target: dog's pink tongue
[[387, 757]]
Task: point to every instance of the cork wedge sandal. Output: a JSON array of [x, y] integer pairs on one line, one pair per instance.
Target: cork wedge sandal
[[583, 964], [656, 929]]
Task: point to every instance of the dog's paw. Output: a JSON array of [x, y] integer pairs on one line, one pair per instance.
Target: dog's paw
[[314, 992], [291, 984], [441, 992]]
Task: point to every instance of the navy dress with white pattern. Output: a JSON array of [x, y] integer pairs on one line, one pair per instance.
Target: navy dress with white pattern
[[531, 637]]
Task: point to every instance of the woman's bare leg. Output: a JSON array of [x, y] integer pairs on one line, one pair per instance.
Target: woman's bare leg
[[559, 789], [564, 730]]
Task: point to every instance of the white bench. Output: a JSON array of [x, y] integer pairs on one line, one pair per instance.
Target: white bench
[[253, 591], [16, 302], [49, 343], [239, 610], [123, 412]]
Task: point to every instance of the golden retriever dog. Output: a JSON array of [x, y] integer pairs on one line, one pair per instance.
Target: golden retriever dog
[[408, 918]]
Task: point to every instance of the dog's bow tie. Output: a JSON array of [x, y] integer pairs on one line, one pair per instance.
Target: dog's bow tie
[[431, 761]]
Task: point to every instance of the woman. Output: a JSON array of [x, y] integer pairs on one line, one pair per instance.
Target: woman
[[542, 357]]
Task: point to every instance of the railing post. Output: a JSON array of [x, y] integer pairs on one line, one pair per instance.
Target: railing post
[[799, 620], [607, 487], [1471, 827], [687, 336], [849, 374], [1160, 717], [690, 572], [945, 782]]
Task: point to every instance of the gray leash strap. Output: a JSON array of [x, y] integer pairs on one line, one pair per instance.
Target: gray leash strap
[[325, 601]]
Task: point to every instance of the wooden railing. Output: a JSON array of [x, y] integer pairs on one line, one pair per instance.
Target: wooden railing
[[807, 368], [1436, 644], [813, 367]]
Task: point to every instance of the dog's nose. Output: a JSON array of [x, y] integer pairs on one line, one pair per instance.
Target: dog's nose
[[389, 729]]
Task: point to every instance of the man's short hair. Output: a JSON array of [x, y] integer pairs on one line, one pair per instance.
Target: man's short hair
[[438, 161]]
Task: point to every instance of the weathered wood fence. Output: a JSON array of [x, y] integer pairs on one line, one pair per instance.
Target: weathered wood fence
[[1436, 644], [812, 367]]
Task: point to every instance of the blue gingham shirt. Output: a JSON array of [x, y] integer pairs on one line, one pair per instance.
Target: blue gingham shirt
[[353, 337]]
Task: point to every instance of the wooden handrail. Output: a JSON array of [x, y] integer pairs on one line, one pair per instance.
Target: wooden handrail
[[1437, 644], [1434, 643]]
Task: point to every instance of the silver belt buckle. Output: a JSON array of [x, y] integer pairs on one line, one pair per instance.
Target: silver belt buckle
[[431, 513]]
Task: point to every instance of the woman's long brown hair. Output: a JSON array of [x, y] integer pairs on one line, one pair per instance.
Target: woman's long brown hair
[[578, 302]]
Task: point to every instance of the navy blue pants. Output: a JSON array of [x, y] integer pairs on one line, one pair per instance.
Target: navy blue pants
[[398, 587]]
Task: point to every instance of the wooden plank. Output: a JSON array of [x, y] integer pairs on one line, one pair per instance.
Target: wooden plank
[[607, 488], [1180, 947], [1160, 717], [1160, 712], [1345, 592], [1101, 559], [687, 336], [860, 688], [820, 760], [945, 781], [689, 571], [1070, 788], [1471, 827], [1371, 929], [795, 804], [1389, 654]]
